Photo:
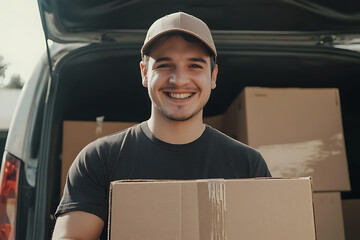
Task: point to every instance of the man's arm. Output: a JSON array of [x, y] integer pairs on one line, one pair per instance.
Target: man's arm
[[78, 225]]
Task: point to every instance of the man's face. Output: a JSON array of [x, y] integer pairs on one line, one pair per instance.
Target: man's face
[[178, 78]]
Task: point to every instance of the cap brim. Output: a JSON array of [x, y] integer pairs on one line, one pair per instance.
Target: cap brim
[[159, 35]]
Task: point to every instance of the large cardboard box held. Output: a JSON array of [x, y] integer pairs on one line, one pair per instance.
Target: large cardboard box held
[[298, 131], [328, 216], [251, 209]]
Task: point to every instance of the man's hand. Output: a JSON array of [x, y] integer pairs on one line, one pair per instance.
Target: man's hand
[[78, 225]]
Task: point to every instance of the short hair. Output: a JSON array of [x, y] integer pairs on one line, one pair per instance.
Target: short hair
[[187, 37]]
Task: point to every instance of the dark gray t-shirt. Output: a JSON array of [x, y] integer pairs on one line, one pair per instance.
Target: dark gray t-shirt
[[136, 153]]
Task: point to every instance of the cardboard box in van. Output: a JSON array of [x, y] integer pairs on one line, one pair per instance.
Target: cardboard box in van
[[298, 132], [251, 209], [78, 134], [328, 216]]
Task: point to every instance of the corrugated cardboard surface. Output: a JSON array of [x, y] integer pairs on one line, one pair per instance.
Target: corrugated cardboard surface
[[328, 216], [274, 209], [77, 134], [351, 209], [298, 131]]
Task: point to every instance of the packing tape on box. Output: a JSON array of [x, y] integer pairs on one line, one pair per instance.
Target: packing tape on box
[[218, 209], [99, 125], [212, 210]]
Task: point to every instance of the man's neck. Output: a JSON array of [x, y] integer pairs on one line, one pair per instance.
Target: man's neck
[[177, 132]]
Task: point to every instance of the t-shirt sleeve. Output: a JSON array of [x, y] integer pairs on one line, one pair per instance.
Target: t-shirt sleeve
[[86, 187], [260, 168]]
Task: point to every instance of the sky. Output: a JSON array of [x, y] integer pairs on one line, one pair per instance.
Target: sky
[[22, 39]]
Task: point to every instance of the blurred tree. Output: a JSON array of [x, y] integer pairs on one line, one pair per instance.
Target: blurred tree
[[3, 67], [15, 82], [15, 79]]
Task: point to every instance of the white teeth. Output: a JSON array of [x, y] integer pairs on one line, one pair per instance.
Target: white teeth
[[180, 95]]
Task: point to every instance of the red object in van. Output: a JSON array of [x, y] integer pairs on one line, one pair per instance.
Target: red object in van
[[9, 177]]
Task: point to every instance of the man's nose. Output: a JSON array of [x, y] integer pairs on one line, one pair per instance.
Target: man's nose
[[179, 78]]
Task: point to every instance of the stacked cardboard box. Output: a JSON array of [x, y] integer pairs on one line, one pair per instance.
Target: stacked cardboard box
[[299, 133], [328, 215]]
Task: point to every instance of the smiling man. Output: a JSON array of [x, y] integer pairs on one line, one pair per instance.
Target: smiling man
[[179, 77], [179, 70]]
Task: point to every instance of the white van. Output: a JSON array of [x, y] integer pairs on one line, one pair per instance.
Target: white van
[[92, 70]]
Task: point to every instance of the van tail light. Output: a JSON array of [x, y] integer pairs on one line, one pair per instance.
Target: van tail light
[[9, 183]]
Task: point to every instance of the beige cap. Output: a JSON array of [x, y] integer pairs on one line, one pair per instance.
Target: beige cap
[[182, 22]]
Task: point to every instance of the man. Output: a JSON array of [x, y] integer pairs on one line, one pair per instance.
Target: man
[[179, 70]]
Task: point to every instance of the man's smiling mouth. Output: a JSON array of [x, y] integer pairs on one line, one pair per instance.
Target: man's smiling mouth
[[179, 95]]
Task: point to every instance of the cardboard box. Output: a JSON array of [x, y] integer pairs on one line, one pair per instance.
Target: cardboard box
[[328, 216], [351, 209], [251, 209], [298, 131], [215, 122], [77, 134]]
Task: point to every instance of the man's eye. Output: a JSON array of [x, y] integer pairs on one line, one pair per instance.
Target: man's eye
[[163, 66], [195, 66]]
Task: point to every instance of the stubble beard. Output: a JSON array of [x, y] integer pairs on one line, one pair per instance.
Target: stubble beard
[[172, 117]]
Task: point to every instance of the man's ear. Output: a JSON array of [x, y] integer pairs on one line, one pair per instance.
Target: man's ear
[[214, 77], [143, 71]]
